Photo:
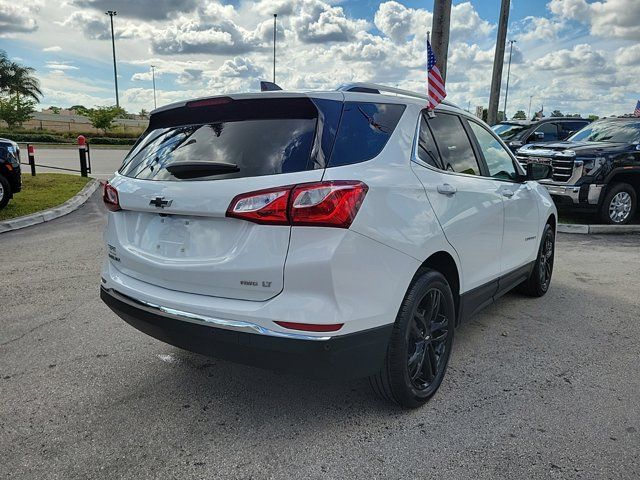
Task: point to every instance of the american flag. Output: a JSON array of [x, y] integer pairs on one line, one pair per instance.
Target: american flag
[[435, 86], [636, 112]]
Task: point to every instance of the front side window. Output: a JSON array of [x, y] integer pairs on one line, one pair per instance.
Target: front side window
[[499, 162], [453, 144], [550, 131], [568, 128]]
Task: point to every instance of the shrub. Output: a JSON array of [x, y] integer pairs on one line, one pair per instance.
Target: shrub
[[111, 141]]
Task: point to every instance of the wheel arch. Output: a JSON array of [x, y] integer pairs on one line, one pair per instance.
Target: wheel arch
[[552, 220], [632, 177], [443, 262]]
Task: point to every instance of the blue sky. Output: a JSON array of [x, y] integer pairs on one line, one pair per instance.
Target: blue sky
[[578, 56]]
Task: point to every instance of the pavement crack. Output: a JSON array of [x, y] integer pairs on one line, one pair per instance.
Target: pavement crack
[[43, 324]]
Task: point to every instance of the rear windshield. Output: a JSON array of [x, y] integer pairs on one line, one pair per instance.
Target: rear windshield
[[235, 141], [246, 138]]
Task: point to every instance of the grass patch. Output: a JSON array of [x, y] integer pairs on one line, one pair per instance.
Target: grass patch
[[43, 191]]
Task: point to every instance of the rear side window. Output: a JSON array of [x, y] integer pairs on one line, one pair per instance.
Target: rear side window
[[427, 150], [364, 130], [232, 144], [454, 145]]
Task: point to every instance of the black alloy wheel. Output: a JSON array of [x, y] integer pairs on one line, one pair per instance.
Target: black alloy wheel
[[420, 343], [427, 341], [540, 277]]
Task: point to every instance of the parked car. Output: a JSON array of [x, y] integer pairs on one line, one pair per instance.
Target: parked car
[[340, 234], [597, 169], [10, 179], [517, 133]]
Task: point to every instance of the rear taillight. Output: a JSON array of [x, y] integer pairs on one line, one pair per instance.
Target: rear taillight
[[328, 204], [110, 197]]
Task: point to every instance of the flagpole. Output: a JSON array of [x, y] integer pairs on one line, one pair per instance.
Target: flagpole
[[428, 93]]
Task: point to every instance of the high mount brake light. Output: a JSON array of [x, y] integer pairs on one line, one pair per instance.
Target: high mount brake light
[[320, 204], [110, 197], [209, 102]]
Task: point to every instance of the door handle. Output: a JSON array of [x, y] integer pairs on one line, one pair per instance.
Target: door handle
[[507, 193], [446, 189]]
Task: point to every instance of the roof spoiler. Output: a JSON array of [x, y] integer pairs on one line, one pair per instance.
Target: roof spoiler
[[269, 86]]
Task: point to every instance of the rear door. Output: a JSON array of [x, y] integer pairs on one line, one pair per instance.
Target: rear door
[[177, 183], [468, 205]]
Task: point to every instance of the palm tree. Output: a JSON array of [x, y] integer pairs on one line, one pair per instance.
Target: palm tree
[[18, 80]]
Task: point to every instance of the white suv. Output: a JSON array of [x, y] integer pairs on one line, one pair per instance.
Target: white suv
[[338, 234]]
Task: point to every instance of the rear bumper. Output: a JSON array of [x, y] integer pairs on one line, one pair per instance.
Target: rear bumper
[[345, 356]]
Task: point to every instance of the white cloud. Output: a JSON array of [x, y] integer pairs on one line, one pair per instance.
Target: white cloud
[[54, 48], [17, 18], [607, 18], [539, 29]]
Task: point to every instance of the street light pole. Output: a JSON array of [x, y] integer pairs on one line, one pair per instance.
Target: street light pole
[[506, 91], [111, 14], [529, 112], [153, 77], [275, 16]]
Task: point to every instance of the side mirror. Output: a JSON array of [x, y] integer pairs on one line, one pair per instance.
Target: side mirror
[[538, 135], [538, 171]]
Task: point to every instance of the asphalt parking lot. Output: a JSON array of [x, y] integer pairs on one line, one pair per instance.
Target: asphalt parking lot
[[537, 388]]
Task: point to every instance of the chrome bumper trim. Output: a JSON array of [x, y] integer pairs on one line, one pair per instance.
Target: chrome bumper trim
[[563, 191], [235, 325], [573, 192]]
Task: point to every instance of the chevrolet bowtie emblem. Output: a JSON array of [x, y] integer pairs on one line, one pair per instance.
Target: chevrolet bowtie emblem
[[160, 202]]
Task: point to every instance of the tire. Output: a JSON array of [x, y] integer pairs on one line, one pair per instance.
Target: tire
[[540, 277], [5, 192], [619, 204], [420, 343]]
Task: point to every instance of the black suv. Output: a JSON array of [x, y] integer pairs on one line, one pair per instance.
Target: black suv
[[10, 181], [517, 133], [597, 168]]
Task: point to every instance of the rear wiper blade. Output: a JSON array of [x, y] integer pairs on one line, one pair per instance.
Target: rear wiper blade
[[200, 169]]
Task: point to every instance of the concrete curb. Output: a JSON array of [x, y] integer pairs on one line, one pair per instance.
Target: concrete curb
[[44, 216], [593, 229]]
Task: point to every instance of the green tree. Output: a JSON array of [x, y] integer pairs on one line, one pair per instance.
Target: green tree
[[15, 111], [80, 110], [55, 109], [143, 113], [520, 115], [593, 118], [102, 117], [557, 113], [16, 79]]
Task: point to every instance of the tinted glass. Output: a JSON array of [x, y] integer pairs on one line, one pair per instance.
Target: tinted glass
[[508, 131], [498, 161], [255, 147], [364, 130], [550, 131], [427, 150], [615, 131], [453, 144], [567, 128]]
